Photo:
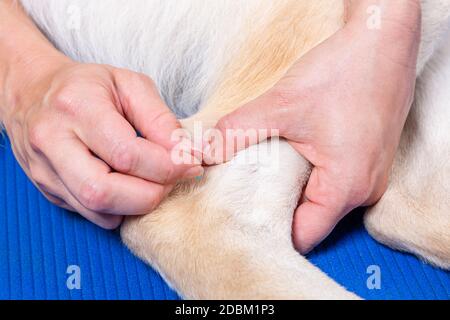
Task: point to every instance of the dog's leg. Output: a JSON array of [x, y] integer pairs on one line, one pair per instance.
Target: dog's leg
[[414, 214], [221, 237], [229, 235]]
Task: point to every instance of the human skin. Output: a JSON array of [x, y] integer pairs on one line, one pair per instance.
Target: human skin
[[343, 107], [351, 144], [49, 106]]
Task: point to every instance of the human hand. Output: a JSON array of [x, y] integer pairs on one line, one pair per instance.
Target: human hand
[[342, 107], [72, 128]]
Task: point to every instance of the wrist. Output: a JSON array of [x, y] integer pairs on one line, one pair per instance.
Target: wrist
[[24, 76], [404, 12], [388, 30], [25, 55]]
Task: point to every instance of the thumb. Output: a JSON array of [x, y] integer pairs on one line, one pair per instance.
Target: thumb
[[251, 124], [145, 109], [319, 214]]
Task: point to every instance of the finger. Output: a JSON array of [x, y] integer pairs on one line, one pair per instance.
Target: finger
[[147, 112], [144, 108], [55, 194], [90, 181], [312, 224], [66, 201], [115, 141], [55, 191], [323, 208], [251, 124], [56, 199], [105, 221], [60, 196], [46, 181]]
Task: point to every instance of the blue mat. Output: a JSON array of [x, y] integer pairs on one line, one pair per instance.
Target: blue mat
[[38, 242]]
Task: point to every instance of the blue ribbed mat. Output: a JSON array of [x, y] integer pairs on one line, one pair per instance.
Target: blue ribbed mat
[[39, 241]]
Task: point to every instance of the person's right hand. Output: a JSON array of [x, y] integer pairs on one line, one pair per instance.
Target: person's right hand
[[342, 106], [72, 129]]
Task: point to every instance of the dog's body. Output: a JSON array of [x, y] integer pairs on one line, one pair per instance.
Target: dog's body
[[229, 235]]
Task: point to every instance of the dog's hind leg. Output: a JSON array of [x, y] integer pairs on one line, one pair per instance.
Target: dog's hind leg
[[414, 214]]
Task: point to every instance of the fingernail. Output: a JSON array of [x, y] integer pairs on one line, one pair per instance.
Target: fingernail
[[206, 153], [194, 159], [192, 173], [197, 156], [207, 149]]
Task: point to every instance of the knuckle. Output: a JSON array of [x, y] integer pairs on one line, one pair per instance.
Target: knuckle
[[38, 136], [145, 79], [63, 100], [94, 196], [123, 159], [139, 79]]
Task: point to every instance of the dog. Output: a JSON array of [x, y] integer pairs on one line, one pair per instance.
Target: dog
[[228, 236]]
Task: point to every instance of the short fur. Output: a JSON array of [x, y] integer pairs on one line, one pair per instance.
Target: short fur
[[229, 235]]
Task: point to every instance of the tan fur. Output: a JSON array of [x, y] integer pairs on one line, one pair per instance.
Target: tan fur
[[272, 48], [229, 235], [414, 214], [207, 250], [197, 242]]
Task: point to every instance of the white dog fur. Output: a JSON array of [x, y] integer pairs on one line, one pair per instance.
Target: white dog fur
[[229, 235]]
